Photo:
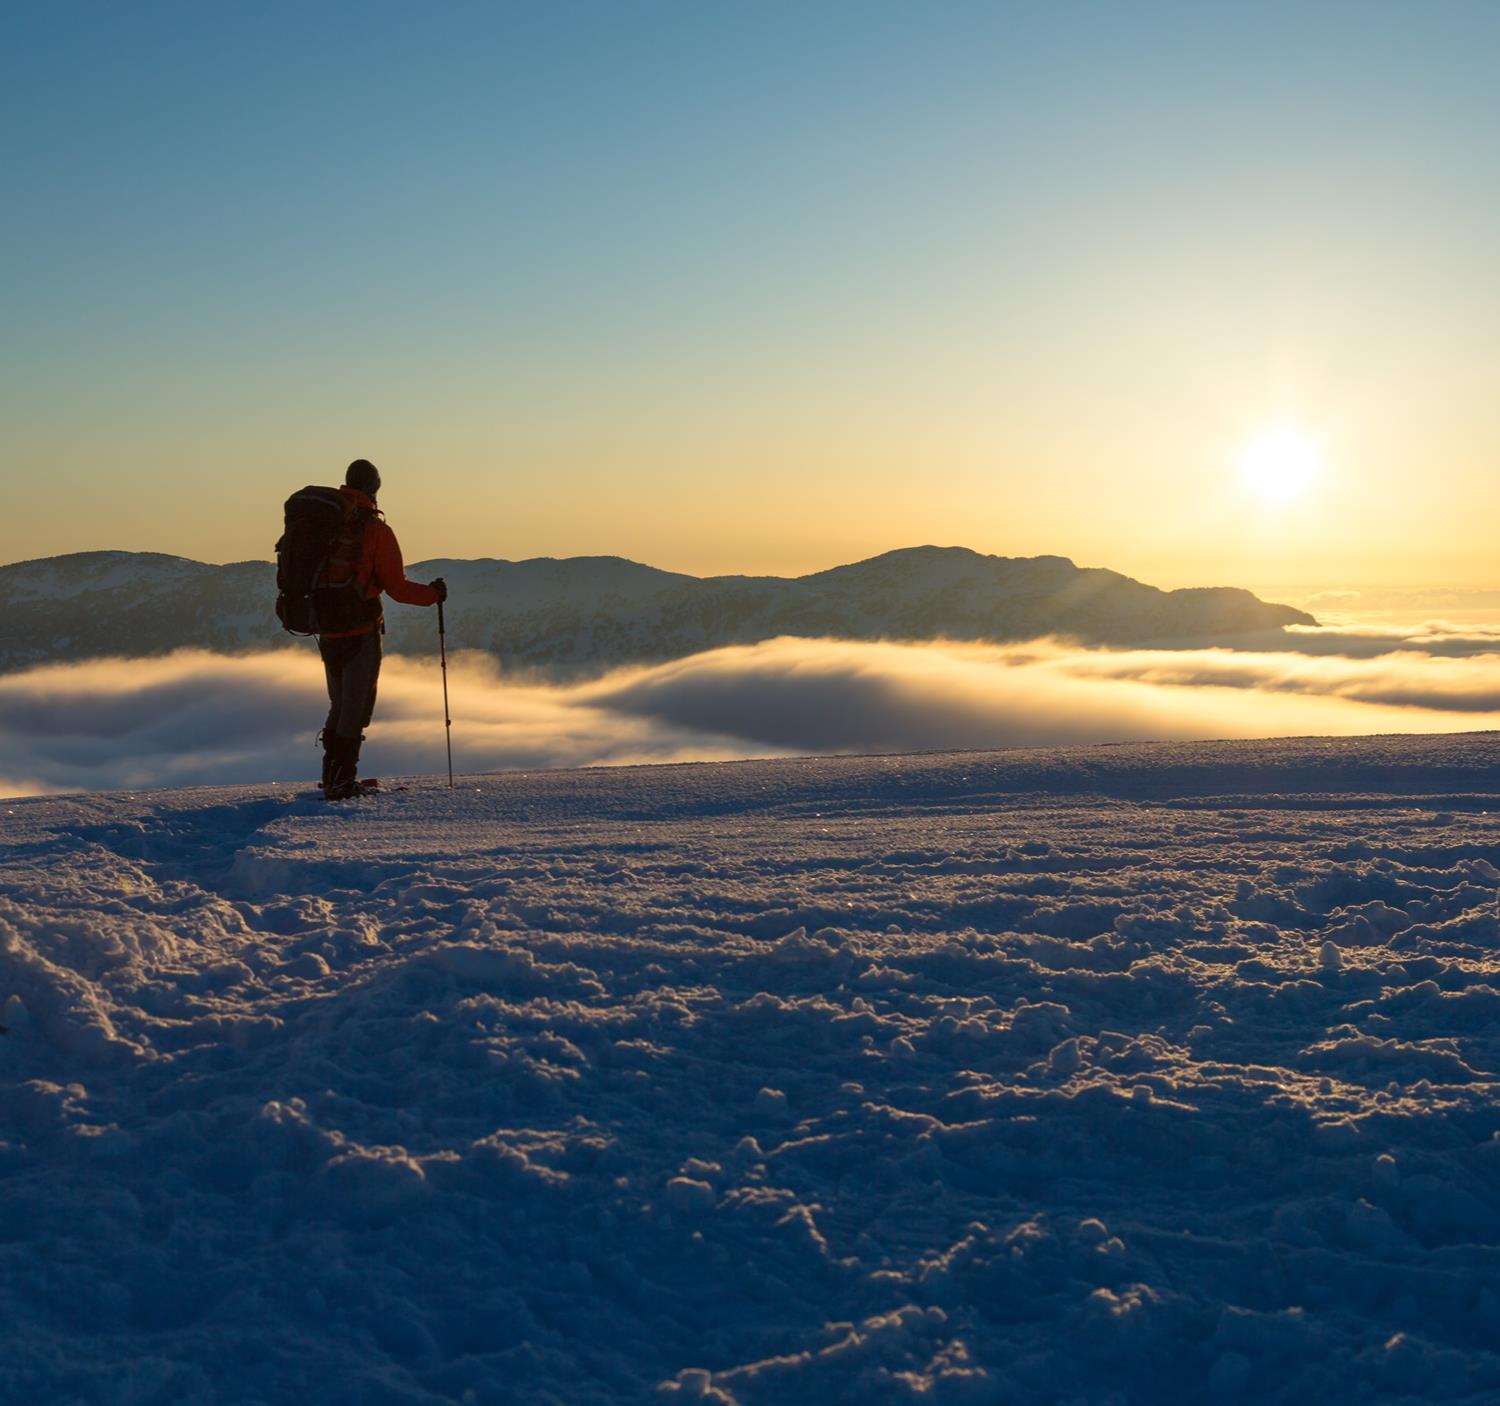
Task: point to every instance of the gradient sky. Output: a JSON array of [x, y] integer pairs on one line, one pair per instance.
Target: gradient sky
[[758, 286]]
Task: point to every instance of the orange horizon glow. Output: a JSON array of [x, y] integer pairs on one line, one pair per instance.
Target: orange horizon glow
[[1033, 292]]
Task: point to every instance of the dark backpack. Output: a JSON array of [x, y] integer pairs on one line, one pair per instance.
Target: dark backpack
[[318, 591]]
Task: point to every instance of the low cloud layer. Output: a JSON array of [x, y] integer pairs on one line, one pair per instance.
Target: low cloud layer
[[1370, 639], [195, 718]]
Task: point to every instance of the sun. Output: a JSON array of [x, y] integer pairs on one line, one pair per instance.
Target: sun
[[1279, 465]]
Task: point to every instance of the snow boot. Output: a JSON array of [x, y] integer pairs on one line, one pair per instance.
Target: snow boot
[[343, 772]]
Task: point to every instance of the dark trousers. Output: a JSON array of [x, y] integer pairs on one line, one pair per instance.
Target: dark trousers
[[352, 667]]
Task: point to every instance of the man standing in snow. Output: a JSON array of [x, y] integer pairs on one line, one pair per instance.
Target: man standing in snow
[[367, 553]]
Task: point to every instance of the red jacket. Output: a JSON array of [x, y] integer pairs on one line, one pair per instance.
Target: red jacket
[[381, 568]]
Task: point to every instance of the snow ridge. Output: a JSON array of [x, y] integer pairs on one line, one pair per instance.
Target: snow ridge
[[1123, 1074]]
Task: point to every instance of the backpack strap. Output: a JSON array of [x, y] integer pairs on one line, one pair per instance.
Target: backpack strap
[[346, 554]]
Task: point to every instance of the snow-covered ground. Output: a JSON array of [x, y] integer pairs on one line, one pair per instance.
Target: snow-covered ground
[[1115, 1075]]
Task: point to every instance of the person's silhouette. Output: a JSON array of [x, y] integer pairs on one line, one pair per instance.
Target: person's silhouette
[[366, 551]]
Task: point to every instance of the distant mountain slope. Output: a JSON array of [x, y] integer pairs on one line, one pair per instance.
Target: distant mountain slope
[[585, 614]]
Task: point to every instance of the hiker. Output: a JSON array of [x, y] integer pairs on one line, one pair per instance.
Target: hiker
[[367, 554]]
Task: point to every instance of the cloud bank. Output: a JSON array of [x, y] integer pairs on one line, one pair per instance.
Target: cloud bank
[[195, 718]]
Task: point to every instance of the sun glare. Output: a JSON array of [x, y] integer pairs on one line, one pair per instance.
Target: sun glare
[[1280, 465]]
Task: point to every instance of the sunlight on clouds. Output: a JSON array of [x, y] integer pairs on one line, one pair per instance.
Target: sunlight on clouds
[[198, 718]]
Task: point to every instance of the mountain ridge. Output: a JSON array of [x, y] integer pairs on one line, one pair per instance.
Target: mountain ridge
[[572, 616]]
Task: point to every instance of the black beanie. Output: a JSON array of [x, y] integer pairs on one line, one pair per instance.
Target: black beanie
[[363, 475]]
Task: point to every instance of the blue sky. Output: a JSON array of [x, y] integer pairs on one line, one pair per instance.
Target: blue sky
[[634, 277]]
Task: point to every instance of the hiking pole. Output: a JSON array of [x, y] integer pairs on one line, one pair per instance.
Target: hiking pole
[[447, 721]]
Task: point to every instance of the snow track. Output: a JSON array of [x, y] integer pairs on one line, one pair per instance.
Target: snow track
[[1115, 1075]]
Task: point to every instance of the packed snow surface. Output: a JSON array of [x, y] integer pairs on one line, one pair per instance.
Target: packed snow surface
[[1112, 1075]]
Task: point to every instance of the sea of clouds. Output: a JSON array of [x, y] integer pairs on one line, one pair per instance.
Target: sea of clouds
[[197, 718]]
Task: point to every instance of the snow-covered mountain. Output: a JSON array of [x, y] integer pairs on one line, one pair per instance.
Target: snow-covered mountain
[[1126, 1075], [587, 614]]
